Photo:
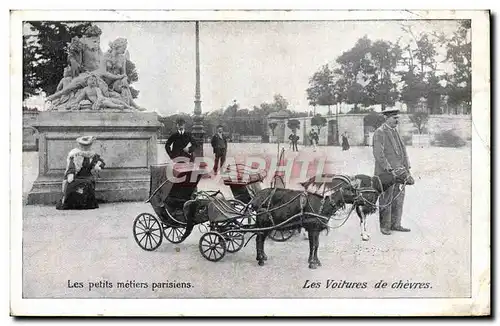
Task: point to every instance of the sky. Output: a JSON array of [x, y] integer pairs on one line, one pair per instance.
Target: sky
[[244, 61]]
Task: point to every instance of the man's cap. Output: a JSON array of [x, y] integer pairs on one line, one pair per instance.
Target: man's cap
[[390, 112]]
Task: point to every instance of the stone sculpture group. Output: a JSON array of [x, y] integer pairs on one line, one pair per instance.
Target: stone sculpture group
[[94, 80]]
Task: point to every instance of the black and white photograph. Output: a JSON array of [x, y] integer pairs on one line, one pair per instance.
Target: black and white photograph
[[234, 160]]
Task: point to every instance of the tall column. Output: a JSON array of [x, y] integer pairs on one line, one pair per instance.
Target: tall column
[[198, 131]]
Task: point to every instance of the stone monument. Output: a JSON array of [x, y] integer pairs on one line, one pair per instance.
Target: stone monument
[[93, 98]]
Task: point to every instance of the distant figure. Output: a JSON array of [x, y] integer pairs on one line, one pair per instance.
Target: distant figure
[[345, 142], [219, 145], [294, 140], [82, 169], [313, 135], [181, 143]]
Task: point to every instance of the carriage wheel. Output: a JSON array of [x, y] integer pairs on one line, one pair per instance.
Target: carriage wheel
[[174, 234], [234, 239], [147, 231], [212, 246], [281, 235]]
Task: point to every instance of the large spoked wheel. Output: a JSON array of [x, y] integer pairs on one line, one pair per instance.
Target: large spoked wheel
[[281, 235], [147, 231], [174, 234], [212, 246]]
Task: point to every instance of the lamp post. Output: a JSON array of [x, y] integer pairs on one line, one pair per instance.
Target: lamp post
[[337, 120], [198, 131]]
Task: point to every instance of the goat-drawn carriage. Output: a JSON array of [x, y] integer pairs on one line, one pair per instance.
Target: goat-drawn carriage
[[245, 183], [174, 199], [287, 209], [179, 207]]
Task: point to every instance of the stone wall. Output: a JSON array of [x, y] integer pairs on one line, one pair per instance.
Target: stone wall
[[30, 135], [250, 139], [354, 125], [127, 141], [461, 124]]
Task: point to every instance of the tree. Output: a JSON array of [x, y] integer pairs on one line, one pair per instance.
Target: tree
[[373, 120], [420, 79], [318, 121], [384, 58], [293, 124], [45, 54], [459, 55], [321, 90], [433, 94], [29, 78], [273, 126], [313, 94], [169, 123], [356, 94], [419, 120], [280, 103], [132, 75], [352, 73]]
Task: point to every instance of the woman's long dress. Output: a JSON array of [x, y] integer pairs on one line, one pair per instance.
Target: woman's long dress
[[345, 143], [80, 193]]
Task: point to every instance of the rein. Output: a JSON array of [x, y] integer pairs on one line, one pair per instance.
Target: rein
[[379, 193]]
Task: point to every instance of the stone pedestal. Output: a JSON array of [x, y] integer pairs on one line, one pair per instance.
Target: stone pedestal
[[127, 142]]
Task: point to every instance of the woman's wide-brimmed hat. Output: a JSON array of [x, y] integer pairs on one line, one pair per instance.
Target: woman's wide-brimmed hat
[[85, 140]]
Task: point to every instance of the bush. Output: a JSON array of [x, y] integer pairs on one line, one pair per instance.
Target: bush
[[407, 139], [448, 138]]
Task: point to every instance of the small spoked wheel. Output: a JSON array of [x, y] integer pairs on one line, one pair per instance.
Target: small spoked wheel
[[147, 231], [212, 246], [174, 234], [280, 235], [234, 241]]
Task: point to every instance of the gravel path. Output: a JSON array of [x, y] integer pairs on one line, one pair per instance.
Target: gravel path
[[98, 246]]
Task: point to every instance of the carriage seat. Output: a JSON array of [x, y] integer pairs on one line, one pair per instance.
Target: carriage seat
[[220, 211], [240, 175]]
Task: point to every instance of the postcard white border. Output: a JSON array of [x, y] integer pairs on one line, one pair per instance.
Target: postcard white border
[[478, 304]]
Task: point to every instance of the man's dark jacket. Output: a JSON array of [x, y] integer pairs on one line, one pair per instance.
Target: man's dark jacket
[[215, 139], [178, 142]]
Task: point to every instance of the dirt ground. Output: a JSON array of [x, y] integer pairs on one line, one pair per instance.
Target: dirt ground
[[63, 248]]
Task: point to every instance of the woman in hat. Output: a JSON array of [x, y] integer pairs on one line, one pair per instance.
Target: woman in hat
[[82, 168], [345, 142]]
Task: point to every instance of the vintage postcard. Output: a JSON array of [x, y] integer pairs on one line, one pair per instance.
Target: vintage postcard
[[250, 163]]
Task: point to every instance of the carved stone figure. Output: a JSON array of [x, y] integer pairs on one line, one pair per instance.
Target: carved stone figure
[[115, 63], [85, 58], [93, 94]]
